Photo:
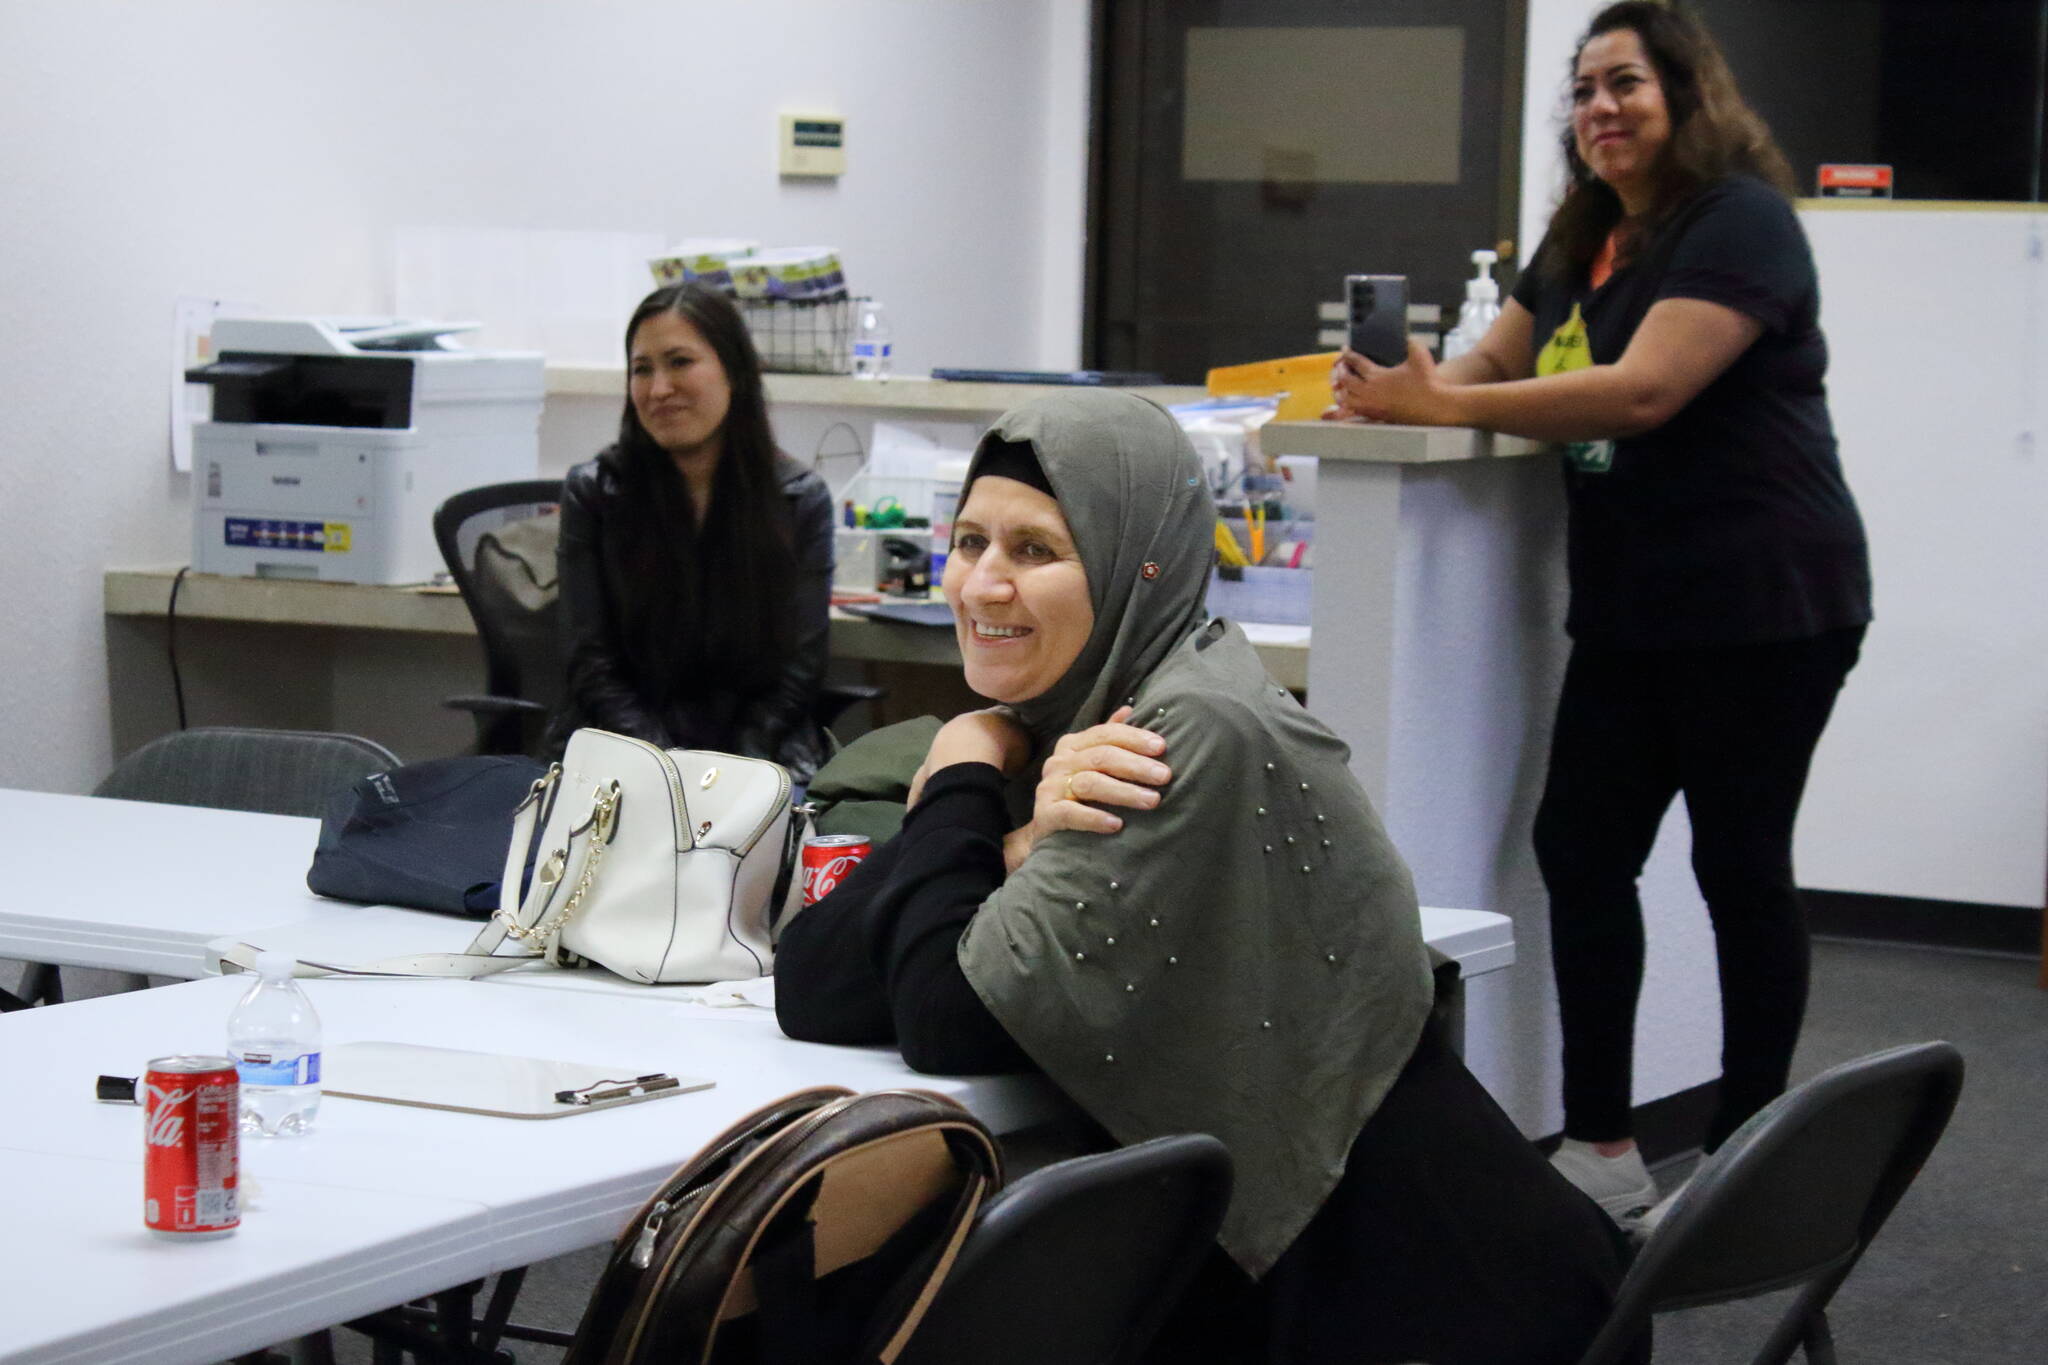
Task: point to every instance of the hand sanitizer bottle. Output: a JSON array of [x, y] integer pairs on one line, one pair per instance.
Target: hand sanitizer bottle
[[274, 1037], [1481, 307]]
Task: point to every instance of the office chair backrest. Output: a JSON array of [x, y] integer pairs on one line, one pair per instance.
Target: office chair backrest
[[1079, 1263], [275, 772], [1795, 1196], [498, 542]]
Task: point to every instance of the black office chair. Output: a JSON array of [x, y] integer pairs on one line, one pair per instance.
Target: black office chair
[[507, 580], [497, 542], [1079, 1262], [273, 772], [1794, 1197]]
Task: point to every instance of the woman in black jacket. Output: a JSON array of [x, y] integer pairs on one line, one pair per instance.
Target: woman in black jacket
[[696, 558]]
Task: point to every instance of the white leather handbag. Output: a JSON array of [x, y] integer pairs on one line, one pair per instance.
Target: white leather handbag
[[663, 865], [667, 866]]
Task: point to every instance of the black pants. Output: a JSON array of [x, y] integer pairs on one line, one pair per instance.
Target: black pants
[[1448, 1240], [1734, 729]]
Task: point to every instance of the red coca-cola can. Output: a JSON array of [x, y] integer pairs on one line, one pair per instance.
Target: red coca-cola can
[[828, 858], [191, 1115]]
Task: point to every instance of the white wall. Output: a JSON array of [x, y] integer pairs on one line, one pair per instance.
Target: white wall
[[266, 153], [1554, 30], [1932, 779]]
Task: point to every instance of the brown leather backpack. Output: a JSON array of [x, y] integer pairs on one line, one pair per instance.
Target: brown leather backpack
[[816, 1230]]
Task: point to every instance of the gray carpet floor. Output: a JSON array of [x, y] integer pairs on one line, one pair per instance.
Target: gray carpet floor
[[1958, 1277]]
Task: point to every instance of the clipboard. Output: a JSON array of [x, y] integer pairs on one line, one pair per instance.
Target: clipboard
[[489, 1082]]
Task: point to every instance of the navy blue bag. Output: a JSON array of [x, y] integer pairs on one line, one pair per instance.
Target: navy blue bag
[[427, 835]]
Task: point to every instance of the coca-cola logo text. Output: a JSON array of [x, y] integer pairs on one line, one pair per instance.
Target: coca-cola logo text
[[166, 1127], [819, 880]]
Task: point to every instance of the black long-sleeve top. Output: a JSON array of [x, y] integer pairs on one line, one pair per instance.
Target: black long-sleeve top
[[774, 723], [877, 960]]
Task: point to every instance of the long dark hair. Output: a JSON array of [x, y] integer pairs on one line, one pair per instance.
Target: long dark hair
[[1714, 134], [704, 608]]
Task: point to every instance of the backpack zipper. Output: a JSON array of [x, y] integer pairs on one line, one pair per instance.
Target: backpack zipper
[[643, 1246]]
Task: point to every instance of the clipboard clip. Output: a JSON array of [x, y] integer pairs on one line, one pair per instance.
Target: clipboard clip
[[597, 1092]]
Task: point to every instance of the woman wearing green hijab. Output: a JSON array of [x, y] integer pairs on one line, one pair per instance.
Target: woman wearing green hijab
[[1149, 873]]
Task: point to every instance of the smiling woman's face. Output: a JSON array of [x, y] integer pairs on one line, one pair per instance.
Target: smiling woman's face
[[1620, 122], [678, 387], [1017, 588]]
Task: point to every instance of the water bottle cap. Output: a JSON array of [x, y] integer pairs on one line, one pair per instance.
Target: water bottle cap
[[275, 966]]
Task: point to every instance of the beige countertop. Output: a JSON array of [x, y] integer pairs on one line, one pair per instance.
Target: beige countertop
[[1379, 443], [915, 393], [146, 592]]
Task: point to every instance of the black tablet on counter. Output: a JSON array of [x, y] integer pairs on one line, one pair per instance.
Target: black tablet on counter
[[1098, 378]]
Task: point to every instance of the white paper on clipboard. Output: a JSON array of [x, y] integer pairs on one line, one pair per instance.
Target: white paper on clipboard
[[488, 1082]]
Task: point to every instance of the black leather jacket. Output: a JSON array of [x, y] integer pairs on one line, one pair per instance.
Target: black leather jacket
[[776, 723]]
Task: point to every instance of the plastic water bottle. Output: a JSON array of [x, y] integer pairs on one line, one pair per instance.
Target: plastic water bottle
[[1481, 308], [870, 340], [274, 1037]]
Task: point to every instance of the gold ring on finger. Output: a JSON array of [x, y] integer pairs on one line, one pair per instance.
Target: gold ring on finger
[[1070, 787]]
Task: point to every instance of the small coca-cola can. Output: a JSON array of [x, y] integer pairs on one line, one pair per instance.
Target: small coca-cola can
[[828, 858], [191, 1115]]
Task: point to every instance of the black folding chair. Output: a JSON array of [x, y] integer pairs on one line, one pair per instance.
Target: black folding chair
[[1794, 1197], [1079, 1262]]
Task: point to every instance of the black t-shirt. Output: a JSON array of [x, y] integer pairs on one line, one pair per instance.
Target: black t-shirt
[[1731, 523]]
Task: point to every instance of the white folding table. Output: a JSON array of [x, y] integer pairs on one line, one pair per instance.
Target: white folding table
[[137, 886], [142, 887], [382, 1203]]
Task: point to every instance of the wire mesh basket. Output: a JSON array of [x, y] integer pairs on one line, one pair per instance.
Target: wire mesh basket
[[803, 336]]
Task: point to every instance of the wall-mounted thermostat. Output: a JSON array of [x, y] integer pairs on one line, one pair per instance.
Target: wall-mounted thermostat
[[813, 144]]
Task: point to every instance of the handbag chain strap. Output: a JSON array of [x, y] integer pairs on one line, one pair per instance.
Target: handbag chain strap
[[604, 810]]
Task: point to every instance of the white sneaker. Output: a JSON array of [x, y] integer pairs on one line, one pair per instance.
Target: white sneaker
[[1620, 1185], [1654, 1215]]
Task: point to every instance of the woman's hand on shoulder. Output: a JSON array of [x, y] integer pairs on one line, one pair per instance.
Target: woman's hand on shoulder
[[1106, 765], [993, 737], [1410, 392]]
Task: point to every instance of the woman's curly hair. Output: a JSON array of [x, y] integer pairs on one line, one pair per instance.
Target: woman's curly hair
[[1714, 134]]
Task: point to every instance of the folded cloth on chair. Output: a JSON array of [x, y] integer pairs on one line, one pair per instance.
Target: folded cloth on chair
[[427, 835]]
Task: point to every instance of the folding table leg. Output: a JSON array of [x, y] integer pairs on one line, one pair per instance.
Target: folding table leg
[[42, 983]]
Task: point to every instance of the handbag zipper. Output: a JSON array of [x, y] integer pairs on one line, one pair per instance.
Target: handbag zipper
[[780, 804], [679, 805]]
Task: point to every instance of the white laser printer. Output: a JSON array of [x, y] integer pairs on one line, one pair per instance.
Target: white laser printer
[[333, 440]]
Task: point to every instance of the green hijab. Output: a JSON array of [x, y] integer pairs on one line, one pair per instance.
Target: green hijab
[[1245, 959]]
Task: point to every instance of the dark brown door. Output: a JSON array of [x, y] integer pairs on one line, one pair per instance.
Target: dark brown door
[[1251, 153]]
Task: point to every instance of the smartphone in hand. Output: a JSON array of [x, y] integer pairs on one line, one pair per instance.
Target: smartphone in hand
[[1376, 317]]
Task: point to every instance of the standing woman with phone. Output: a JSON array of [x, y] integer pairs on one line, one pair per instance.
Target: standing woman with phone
[[696, 558], [1666, 333]]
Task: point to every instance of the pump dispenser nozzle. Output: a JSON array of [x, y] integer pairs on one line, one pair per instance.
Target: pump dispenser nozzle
[[1482, 284]]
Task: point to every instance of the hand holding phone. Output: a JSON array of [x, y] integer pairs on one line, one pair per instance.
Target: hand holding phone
[[1376, 317]]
